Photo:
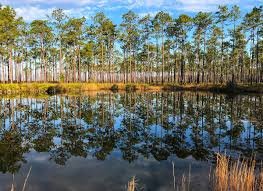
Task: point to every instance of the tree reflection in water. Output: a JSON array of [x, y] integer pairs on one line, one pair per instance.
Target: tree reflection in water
[[154, 125]]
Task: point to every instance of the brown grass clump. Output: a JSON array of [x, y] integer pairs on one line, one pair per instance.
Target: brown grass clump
[[236, 176]]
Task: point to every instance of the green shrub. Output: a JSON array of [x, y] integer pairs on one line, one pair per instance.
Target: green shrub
[[114, 88], [61, 78], [55, 90], [231, 85]]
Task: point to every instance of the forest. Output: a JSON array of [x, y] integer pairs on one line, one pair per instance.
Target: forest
[[217, 48]]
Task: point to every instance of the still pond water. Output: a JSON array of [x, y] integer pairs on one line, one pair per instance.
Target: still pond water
[[100, 140]]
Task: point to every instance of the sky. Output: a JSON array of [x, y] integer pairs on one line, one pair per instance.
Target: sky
[[38, 9]]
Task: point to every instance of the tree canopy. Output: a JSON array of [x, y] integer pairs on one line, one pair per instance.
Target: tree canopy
[[205, 48]]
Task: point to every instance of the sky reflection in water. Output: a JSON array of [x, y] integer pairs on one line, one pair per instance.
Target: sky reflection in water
[[98, 142]]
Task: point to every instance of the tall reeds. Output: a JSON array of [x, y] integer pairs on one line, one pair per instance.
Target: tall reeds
[[131, 184], [184, 184], [239, 175], [221, 173], [260, 181], [25, 182]]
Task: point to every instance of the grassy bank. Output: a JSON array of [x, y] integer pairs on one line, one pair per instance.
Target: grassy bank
[[51, 88], [43, 88], [218, 88]]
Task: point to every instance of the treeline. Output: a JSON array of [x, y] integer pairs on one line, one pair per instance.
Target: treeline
[[215, 47]]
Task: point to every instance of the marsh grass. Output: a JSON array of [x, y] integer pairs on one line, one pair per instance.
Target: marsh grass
[[25, 181], [240, 175], [51, 88], [227, 175], [37, 88], [132, 184], [229, 88], [221, 173], [185, 182], [260, 181]]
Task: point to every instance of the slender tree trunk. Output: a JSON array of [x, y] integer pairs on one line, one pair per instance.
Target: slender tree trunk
[[10, 67], [130, 58], [162, 56], [204, 58], [60, 61], [79, 65]]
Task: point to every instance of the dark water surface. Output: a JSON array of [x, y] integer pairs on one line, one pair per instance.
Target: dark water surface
[[99, 141]]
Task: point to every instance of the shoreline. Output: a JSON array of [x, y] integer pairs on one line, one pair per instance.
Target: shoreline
[[56, 88]]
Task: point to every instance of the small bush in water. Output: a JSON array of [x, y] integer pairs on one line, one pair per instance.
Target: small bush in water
[[55, 90], [114, 88]]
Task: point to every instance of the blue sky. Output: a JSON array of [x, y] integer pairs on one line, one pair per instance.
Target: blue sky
[[37, 9]]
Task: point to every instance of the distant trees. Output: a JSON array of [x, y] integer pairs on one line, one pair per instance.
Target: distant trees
[[130, 38], [9, 34], [202, 22], [42, 36], [206, 48], [160, 23]]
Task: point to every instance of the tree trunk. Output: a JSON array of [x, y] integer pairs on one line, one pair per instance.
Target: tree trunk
[[10, 67]]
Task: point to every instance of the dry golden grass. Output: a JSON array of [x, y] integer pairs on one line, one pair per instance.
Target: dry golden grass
[[242, 176], [260, 181], [221, 173], [77, 87], [132, 184], [72, 87], [236, 176]]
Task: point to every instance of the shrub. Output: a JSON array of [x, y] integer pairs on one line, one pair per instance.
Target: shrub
[[231, 85], [55, 90], [114, 88], [61, 78]]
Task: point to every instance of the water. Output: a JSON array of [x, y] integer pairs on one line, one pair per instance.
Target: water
[[100, 140]]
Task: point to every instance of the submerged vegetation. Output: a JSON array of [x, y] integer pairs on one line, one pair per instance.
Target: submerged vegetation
[[224, 47]]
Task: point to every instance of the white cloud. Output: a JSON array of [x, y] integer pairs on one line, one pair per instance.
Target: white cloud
[[151, 13], [55, 2], [185, 5], [30, 13], [131, 3], [38, 9], [202, 5]]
